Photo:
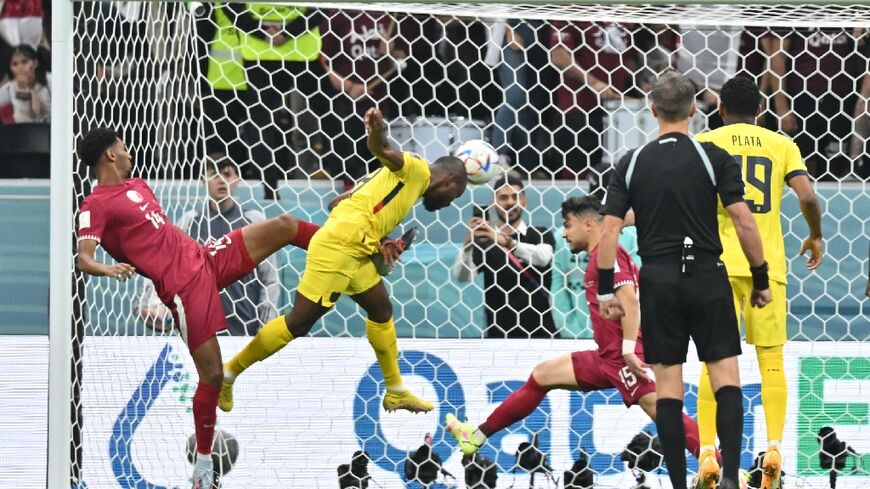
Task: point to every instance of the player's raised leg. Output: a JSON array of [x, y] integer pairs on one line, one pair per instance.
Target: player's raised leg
[[557, 373], [381, 333], [209, 367], [262, 239], [274, 335]]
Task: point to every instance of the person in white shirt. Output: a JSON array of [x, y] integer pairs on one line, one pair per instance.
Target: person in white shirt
[[515, 260], [26, 97]]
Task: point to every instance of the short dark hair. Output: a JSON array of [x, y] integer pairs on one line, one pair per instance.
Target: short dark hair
[[453, 166], [741, 96], [217, 162], [673, 95], [94, 143], [580, 206], [511, 178]]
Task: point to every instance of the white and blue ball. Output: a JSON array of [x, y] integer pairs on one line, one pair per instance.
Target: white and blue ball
[[480, 159]]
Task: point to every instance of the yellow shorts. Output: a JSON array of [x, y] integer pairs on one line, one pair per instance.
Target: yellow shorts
[[332, 269], [765, 326]]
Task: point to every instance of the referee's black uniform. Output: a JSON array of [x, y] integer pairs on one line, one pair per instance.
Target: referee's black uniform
[[673, 184]]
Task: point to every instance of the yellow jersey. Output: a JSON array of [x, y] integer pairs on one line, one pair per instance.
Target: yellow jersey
[[768, 161], [378, 203]]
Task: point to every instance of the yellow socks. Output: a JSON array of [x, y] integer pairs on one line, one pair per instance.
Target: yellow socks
[[706, 410], [382, 337], [774, 391], [272, 337]]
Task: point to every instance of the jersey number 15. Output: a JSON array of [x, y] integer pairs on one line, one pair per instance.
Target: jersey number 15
[[750, 170]]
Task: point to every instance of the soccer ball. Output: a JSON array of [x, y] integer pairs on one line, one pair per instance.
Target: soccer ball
[[480, 159], [224, 451]]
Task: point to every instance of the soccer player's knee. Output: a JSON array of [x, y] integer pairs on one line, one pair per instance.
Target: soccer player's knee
[[769, 353], [381, 313], [296, 327], [543, 373], [212, 374]]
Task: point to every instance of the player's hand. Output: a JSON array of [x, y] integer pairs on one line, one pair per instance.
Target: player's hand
[[760, 298], [119, 271], [374, 120], [484, 236], [636, 365], [611, 309], [867, 292], [391, 250], [815, 247]]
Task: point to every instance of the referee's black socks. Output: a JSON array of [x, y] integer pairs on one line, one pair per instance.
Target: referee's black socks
[[729, 425], [672, 435]]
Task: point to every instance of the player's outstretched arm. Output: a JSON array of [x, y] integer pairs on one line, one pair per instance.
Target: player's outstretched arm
[[630, 329], [813, 216], [89, 265], [378, 144], [607, 301]]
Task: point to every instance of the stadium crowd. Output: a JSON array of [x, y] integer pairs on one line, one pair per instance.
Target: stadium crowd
[[284, 89]]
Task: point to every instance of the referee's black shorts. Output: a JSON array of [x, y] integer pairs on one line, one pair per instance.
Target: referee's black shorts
[[675, 307]]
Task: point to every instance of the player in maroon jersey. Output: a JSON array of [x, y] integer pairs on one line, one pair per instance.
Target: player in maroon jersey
[[618, 361], [123, 215]]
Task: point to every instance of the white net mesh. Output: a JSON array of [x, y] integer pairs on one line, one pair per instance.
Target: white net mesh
[[187, 82]]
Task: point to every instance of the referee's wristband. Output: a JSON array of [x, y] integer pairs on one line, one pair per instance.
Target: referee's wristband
[[628, 346], [605, 282], [759, 277]]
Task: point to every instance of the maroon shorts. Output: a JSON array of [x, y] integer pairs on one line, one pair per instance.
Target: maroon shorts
[[197, 308], [594, 372]]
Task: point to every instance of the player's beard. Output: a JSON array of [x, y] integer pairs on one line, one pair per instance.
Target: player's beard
[[431, 204]]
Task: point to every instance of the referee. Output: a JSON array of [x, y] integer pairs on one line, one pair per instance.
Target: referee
[[674, 185]]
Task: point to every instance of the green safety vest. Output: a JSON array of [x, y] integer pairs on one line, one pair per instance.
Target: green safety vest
[[305, 47], [226, 70]]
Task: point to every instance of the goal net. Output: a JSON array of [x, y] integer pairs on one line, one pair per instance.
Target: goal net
[[279, 91]]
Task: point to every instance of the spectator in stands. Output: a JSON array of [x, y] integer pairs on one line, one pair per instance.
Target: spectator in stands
[[362, 52], [760, 59], [455, 81], [510, 46], [515, 260], [250, 301], [280, 45], [858, 147], [595, 59], [656, 45], [827, 67], [225, 86], [21, 22], [26, 97]]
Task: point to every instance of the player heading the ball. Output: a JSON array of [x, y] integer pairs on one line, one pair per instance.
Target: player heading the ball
[[338, 260]]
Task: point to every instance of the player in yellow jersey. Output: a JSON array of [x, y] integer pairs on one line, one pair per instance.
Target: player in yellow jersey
[[769, 161], [338, 261]]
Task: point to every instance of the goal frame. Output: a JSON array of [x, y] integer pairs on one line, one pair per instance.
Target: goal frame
[[61, 306]]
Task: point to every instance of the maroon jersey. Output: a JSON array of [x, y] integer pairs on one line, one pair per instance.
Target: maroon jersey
[[607, 333], [600, 49], [825, 60], [129, 224]]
